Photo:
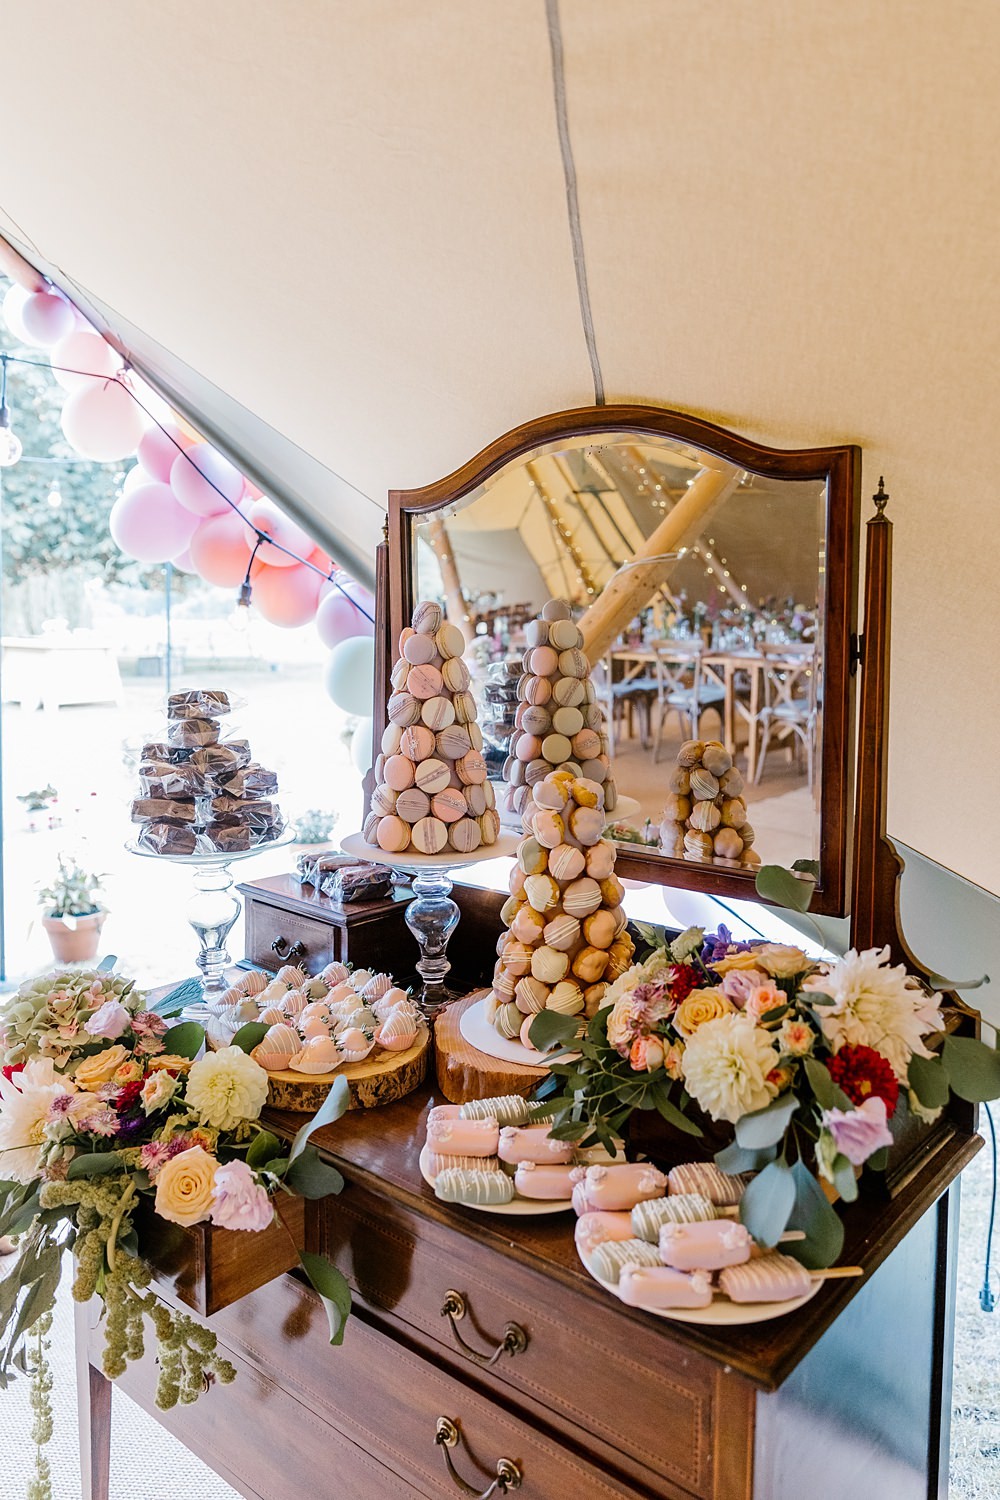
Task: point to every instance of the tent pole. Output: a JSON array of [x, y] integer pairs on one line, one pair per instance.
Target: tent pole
[[456, 606]]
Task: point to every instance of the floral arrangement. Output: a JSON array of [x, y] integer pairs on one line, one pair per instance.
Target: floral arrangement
[[104, 1104], [807, 1062]]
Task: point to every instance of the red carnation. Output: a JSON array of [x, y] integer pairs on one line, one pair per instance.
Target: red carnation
[[10, 1069], [126, 1096], [681, 980], [863, 1074]]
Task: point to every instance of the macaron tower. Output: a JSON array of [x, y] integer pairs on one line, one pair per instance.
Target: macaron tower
[[565, 937], [705, 813], [558, 724], [431, 793]]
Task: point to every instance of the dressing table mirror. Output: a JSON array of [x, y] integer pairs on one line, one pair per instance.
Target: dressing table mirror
[[715, 583]]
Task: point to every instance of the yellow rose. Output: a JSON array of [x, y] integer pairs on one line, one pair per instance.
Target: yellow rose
[[747, 960], [168, 1060], [184, 1187], [129, 1072], [94, 1072], [699, 1007], [782, 960]]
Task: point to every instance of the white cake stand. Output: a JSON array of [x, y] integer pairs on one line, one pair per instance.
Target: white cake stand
[[432, 916]]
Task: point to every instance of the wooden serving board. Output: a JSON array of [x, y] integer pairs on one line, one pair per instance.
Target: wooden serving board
[[380, 1079], [463, 1072]]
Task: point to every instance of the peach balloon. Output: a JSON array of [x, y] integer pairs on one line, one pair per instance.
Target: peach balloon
[[205, 482], [148, 524], [219, 549], [286, 596], [87, 353], [47, 319], [266, 516], [102, 422]]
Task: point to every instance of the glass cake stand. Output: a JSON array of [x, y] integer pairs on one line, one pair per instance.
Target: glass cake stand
[[213, 908], [432, 915]]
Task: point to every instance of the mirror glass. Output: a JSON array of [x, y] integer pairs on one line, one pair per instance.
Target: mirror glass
[[699, 588]]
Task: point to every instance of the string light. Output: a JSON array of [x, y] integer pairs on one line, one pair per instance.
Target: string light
[[54, 497], [10, 443], [233, 506], [561, 530]]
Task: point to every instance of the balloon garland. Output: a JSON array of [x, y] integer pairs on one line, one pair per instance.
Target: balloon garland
[[184, 502]]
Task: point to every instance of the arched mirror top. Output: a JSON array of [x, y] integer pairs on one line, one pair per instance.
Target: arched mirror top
[[715, 582]]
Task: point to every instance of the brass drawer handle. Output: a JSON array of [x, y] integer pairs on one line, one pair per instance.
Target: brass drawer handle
[[508, 1477], [281, 948], [514, 1340]]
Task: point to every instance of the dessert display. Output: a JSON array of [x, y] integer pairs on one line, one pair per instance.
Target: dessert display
[[431, 794], [500, 706], [558, 724], [200, 794], [705, 813], [671, 1243], [343, 877], [489, 1154], [565, 937]]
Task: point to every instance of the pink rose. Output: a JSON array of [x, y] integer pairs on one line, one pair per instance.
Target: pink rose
[[239, 1201], [108, 1021], [739, 984], [857, 1133], [765, 997], [646, 1054]]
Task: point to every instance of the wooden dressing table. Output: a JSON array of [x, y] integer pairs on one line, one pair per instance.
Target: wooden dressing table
[[482, 1359]]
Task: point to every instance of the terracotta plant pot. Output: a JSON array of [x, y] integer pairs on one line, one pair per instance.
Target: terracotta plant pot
[[77, 944]]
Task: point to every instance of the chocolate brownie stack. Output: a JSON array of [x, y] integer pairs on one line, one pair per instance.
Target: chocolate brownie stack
[[200, 793]]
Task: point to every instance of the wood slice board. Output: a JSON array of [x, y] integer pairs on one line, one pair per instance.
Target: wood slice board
[[381, 1080], [463, 1072]]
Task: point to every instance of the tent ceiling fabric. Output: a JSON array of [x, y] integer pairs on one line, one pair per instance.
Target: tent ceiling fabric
[[352, 220]]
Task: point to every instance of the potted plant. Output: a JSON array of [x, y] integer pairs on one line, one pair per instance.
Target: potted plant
[[72, 915]]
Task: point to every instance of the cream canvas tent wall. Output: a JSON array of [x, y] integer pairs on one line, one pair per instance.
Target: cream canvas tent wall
[[340, 232]]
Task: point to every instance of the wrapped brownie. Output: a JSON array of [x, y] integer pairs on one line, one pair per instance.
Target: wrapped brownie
[[220, 761], [198, 703], [160, 752], [357, 882], [254, 780], [159, 809], [167, 838], [190, 734], [310, 868], [161, 779]]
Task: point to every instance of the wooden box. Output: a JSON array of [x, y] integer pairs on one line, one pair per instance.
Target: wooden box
[[287, 922]]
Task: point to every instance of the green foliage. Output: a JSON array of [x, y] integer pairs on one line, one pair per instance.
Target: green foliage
[[250, 1035], [334, 1105], [973, 1069], [784, 887], [310, 1176], [766, 1206], [765, 1127], [816, 1217], [73, 893], [928, 1079], [333, 1289], [185, 1040]]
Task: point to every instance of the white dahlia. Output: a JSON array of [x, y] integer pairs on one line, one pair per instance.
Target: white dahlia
[[226, 1087], [875, 1005], [726, 1067], [24, 1108]]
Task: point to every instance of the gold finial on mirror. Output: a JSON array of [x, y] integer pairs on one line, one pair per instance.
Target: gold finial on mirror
[[881, 498]]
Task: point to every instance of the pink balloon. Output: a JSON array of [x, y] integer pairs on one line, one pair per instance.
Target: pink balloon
[[136, 477], [156, 451], [183, 562], [253, 492], [103, 422], [266, 516], [286, 596], [189, 473], [86, 352], [47, 319], [338, 619], [219, 550], [148, 524], [320, 559]]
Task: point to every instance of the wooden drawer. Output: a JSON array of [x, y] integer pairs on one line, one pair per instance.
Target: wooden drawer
[[358, 1421], [374, 936], [403, 1266]]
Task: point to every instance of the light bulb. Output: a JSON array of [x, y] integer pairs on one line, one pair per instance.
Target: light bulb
[[10, 443], [54, 497], [239, 619]]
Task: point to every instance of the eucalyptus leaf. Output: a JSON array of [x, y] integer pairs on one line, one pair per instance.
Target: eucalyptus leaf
[[734, 1159], [311, 1177], [185, 1040], [550, 1027], [784, 888], [250, 1035], [879, 1160], [95, 1164], [939, 982], [262, 1148], [807, 867], [332, 1288], [928, 1078], [334, 1105], [816, 1217], [776, 1014], [672, 1114], [765, 1127], [829, 1095], [17, 1222], [844, 1179], [767, 1203], [973, 1068]]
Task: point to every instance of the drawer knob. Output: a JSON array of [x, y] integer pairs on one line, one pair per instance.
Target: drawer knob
[[281, 948], [514, 1340], [447, 1436]]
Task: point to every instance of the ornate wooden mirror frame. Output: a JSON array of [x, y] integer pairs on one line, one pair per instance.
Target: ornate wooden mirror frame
[[839, 470]]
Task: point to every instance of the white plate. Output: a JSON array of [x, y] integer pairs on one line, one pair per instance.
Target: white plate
[[482, 1034], [624, 808], [449, 859], [720, 1311], [520, 1207]]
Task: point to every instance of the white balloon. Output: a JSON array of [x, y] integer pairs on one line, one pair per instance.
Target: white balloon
[[350, 675], [361, 747]]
